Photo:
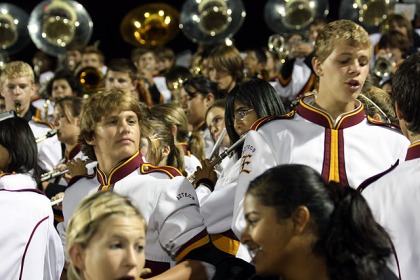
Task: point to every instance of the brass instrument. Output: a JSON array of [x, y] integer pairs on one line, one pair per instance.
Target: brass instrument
[[218, 159], [211, 21], [293, 16], [90, 78], [53, 24], [46, 109], [277, 44], [369, 13], [49, 134], [17, 107], [383, 67], [14, 34], [150, 25]]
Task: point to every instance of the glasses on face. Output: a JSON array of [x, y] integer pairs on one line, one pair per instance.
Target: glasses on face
[[241, 114]]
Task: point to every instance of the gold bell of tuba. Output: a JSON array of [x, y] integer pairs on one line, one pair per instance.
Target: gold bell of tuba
[[211, 21], [53, 24], [293, 16], [91, 80], [150, 25]]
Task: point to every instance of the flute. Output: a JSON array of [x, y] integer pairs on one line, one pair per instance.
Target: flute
[[55, 173], [49, 134], [222, 155], [57, 201]]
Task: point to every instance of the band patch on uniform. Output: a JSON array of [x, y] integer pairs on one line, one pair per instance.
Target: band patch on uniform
[[182, 195], [245, 163]]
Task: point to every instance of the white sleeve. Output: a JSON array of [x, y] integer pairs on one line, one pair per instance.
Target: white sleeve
[[177, 218], [257, 156]]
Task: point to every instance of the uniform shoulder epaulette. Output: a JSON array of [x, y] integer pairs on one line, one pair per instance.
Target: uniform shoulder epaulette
[[74, 179], [380, 123], [256, 125], [171, 171], [38, 120]]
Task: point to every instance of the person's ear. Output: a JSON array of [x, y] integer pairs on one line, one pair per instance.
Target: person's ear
[[300, 219], [398, 111], [174, 129], [316, 65], [166, 151], [77, 256], [209, 99]]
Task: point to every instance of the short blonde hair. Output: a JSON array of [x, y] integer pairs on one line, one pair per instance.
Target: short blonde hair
[[340, 31], [17, 69], [90, 214]]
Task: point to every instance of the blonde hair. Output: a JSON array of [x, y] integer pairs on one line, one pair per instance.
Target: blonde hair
[[340, 31], [172, 114], [16, 69], [101, 104], [160, 136], [92, 211]]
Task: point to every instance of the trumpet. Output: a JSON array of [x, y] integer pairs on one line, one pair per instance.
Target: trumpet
[[49, 134], [383, 67], [222, 156]]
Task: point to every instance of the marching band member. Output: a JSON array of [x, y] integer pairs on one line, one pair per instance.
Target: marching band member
[[102, 225], [197, 95], [159, 147], [329, 131], [393, 196], [247, 103], [175, 118], [33, 249], [17, 86], [110, 134]]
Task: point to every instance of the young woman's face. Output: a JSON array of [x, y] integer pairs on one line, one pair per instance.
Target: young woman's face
[[268, 240], [67, 129], [116, 138], [244, 117], [116, 250], [4, 158], [216, 123], [60, 89], [343, 73]]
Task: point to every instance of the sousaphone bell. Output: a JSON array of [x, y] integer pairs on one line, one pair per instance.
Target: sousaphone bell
[[14, 34], [150, 25], [211, 21], [293, 16], [53, 24]]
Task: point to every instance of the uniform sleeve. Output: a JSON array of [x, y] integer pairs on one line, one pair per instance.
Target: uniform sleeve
[[54, 254], [257, 156], [178, 220]]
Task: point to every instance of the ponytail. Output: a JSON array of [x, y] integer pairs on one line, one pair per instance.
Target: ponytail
[[196, 145], [355, 245]]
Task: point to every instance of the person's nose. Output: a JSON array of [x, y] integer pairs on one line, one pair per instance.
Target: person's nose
[[131, 257], [355, 67]]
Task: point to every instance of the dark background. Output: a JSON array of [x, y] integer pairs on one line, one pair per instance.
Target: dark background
[[108, 14]]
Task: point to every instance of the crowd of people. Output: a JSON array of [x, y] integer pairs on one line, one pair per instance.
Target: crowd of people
[[242, 165]]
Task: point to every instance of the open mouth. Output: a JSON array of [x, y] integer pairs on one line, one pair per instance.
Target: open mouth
[[354, 84]]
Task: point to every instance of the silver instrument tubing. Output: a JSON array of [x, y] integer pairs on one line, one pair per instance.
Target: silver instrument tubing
[[49, 134]]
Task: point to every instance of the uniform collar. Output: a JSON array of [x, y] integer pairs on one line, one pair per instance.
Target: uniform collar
[[413, 151], [322, 118], [120, 171]]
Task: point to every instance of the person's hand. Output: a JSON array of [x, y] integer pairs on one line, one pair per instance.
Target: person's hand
[[205, 175], [302, 50], [59, 205], [76, 167]]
